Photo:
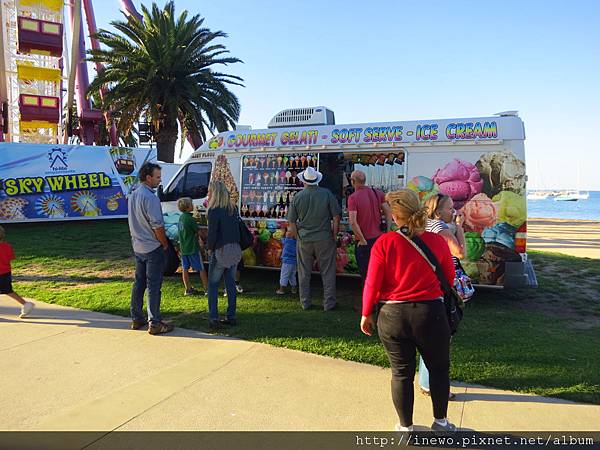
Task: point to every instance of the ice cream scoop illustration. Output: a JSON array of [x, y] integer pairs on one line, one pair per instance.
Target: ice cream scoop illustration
[[460, 180], [423, 186], [501, 171], [479, 213], [511, 207], [472, 270], [492, 266], [266, 177], [475, 245], [288, 175], [279, 161], [502, 233]]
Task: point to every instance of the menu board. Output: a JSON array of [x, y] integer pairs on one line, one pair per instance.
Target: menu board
[[270, 182]]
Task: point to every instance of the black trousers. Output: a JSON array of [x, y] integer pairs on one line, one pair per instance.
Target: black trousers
[[363, 254], [404, 328]]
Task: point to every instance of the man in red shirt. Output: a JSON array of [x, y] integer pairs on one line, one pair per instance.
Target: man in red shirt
[[365, 207]]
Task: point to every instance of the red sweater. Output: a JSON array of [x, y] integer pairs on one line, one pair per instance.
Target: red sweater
[[397, 271], [6, 256]]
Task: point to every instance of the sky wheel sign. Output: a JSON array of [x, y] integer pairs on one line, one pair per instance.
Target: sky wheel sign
[[41, 182]]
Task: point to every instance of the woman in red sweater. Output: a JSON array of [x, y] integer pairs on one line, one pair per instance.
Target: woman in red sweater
[[403, 286]]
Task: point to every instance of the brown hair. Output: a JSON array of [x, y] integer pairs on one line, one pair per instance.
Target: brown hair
[[434, 203], [184, 204], [407, 207], [147, 170]]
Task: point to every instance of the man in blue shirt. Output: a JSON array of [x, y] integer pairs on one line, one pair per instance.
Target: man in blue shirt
[[150, 244]]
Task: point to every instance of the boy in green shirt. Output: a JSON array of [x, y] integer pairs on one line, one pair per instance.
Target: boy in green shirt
[[189, 246]]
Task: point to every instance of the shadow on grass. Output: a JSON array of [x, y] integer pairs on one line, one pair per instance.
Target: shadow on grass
[[70, 279]]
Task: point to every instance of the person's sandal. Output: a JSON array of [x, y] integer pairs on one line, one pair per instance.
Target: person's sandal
[[160, 328]]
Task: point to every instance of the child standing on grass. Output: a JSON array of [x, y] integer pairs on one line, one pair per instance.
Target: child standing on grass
[[189, 246], [288, 264], [6, 256]]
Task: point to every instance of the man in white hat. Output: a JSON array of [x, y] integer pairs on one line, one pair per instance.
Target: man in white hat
[[311, 215]]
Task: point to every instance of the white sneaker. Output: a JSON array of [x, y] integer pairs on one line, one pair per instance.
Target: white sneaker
[[447, 427], [402, 429], [239, 288], [26, 309]]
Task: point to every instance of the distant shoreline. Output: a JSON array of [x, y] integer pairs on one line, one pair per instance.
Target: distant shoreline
[[575, 237], [554, 219]]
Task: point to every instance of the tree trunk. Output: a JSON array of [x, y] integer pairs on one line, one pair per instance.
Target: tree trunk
[[166, 138]]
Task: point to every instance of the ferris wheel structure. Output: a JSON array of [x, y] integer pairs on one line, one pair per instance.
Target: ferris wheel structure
[[44, 74]]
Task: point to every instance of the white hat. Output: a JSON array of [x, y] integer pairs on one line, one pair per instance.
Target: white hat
[[310, 176]]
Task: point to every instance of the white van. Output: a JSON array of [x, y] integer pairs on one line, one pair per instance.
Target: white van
[[479, 162]]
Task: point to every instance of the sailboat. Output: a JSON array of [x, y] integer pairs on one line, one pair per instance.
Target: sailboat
[[572, 196]]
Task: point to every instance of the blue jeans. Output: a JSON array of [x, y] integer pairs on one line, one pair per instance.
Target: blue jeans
[[149, 268], [215, 273]]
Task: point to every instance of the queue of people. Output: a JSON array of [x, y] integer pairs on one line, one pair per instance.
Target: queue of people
[[402, 296]]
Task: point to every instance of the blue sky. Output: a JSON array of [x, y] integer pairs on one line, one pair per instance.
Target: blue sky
[[400, 60]]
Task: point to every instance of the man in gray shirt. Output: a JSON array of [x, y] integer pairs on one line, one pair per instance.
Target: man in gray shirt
[[311, 214], [150, 244]]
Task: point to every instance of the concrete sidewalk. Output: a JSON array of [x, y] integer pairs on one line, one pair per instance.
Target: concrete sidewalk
[[68, 369]]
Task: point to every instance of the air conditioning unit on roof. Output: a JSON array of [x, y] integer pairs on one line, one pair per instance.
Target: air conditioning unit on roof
[[298, 117]]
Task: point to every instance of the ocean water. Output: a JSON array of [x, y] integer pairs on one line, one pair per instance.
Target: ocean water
[[581, 209]]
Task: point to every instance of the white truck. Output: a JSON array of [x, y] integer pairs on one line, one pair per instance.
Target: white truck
[[479, 162]]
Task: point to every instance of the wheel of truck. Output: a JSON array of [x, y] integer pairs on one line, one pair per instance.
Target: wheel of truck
[[172, 263]]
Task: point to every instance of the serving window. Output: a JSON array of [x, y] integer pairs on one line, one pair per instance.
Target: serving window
[[384, 171]]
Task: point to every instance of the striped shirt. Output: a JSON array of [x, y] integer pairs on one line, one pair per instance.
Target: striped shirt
[[436, 226]]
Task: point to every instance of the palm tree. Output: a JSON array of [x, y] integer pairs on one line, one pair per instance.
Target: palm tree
[[162, 67]]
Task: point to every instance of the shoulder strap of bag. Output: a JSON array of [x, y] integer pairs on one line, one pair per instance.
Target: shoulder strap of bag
[[426, 253]]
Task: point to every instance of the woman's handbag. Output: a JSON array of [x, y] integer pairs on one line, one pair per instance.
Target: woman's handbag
[[462, 282], [452, 301], [246, 236]]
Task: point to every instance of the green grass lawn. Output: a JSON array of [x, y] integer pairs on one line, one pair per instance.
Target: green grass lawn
[[542, 341]]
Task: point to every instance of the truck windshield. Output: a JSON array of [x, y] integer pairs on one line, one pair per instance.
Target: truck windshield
[[191, 182]]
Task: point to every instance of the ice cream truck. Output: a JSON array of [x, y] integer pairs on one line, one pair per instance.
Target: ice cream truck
[[479, 162]]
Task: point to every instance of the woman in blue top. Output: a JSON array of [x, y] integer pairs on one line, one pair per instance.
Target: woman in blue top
[[223, 243]]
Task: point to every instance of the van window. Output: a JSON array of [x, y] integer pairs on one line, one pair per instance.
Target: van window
[[191, 182]]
